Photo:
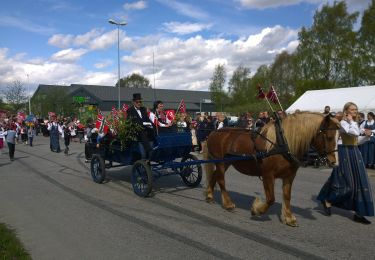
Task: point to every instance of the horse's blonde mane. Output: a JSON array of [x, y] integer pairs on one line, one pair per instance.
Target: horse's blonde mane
[[299, 130]]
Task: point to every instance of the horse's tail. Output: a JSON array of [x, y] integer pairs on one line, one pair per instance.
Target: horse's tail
[[208, 167]]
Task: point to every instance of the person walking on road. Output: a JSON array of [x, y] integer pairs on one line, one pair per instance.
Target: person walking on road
[[30, 135], [11, 136], [55, 130], [67, 137], [348, 186]]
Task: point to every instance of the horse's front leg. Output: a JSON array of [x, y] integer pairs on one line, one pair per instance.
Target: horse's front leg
[[287, 216], [211, 182], [220, 179], [259, 207]]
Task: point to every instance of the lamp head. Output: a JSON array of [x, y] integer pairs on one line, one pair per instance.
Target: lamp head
[[111, 21]]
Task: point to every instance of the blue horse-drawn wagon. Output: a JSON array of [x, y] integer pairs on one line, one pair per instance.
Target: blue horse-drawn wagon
[[170, 155]]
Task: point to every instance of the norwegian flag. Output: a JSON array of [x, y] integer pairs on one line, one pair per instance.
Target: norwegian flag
[[125, 107], [272, 96], [170, 115], [101, 124], [261, 94], [114, 113], [181, 107], [115, 116]]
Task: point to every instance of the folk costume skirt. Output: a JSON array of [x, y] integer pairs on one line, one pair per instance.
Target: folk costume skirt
[[348, 186]]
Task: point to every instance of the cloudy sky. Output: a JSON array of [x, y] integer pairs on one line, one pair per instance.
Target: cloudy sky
[[174, 43]]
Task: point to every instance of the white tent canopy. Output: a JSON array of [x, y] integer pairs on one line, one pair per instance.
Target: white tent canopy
[[316, 100]]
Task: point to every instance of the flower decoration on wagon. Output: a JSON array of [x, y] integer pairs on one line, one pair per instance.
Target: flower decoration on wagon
[[122, 129]]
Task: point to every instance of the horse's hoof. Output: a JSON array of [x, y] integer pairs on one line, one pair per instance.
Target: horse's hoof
[[254, 212], [290, 222], [230, 207], [210, 200]]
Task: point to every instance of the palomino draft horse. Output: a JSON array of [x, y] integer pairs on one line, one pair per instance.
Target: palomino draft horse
[[300, 131]]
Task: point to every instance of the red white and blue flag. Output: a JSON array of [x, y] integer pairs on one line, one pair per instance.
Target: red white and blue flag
[[272, 96], [181, 107], [101, 124]]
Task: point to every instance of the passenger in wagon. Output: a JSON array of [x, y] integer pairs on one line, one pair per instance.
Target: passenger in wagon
[[159, 118], [138, 114]]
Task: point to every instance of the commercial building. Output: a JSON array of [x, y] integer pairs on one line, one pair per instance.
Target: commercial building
[[106, 97]]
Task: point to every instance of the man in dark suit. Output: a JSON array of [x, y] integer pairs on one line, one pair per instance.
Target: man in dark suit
[[138, 114]]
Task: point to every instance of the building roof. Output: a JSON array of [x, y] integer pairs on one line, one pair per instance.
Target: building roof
[[170, 97]]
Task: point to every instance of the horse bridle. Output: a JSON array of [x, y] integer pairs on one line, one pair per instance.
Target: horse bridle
[[323, 131]]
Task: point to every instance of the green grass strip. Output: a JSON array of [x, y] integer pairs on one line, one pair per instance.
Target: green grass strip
[[10, 246]]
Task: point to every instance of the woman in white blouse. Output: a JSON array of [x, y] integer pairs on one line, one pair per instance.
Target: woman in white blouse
[[348, 186]]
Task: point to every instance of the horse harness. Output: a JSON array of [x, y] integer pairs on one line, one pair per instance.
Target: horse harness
[[280, 147]]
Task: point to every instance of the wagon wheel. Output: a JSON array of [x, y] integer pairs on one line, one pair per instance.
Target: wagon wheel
[[97, 168], [142, 178], [191, 175]]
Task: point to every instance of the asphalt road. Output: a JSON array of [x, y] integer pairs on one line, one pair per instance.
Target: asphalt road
[[60, 213]]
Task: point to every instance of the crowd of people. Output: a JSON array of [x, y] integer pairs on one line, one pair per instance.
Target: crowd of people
[[15, 131]]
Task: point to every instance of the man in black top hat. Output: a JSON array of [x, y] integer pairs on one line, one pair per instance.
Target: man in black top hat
[[138, 114]]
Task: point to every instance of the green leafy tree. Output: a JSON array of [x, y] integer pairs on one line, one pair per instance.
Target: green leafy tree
[[239, 85], [326, 49], [283, 76], [218, 95], [15, 95], [134, 81], [366, 39]]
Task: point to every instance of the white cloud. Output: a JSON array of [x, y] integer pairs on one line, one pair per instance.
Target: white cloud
[[61, 41], [263, 4], [68, 40], [189, 64], [185, 9], [103, 64], [84, 39], [353, 5], [185, 28], [98, 78], [179, 63], [104, 41], [136, 5], [48, 72], [25, 24], [68, 55]]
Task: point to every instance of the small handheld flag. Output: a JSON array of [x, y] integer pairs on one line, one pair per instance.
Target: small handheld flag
[[181, 107], [272, 96]]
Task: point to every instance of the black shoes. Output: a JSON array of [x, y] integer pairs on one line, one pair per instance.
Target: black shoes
[[360, 219], [327, 210]]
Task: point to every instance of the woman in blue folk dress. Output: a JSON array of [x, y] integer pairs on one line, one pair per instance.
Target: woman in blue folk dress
[[348, 186], [55, 131]]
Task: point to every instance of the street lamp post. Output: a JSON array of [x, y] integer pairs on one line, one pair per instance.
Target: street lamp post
[[111, 21]]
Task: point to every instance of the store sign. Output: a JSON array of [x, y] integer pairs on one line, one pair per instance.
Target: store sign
[[82, 99]]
